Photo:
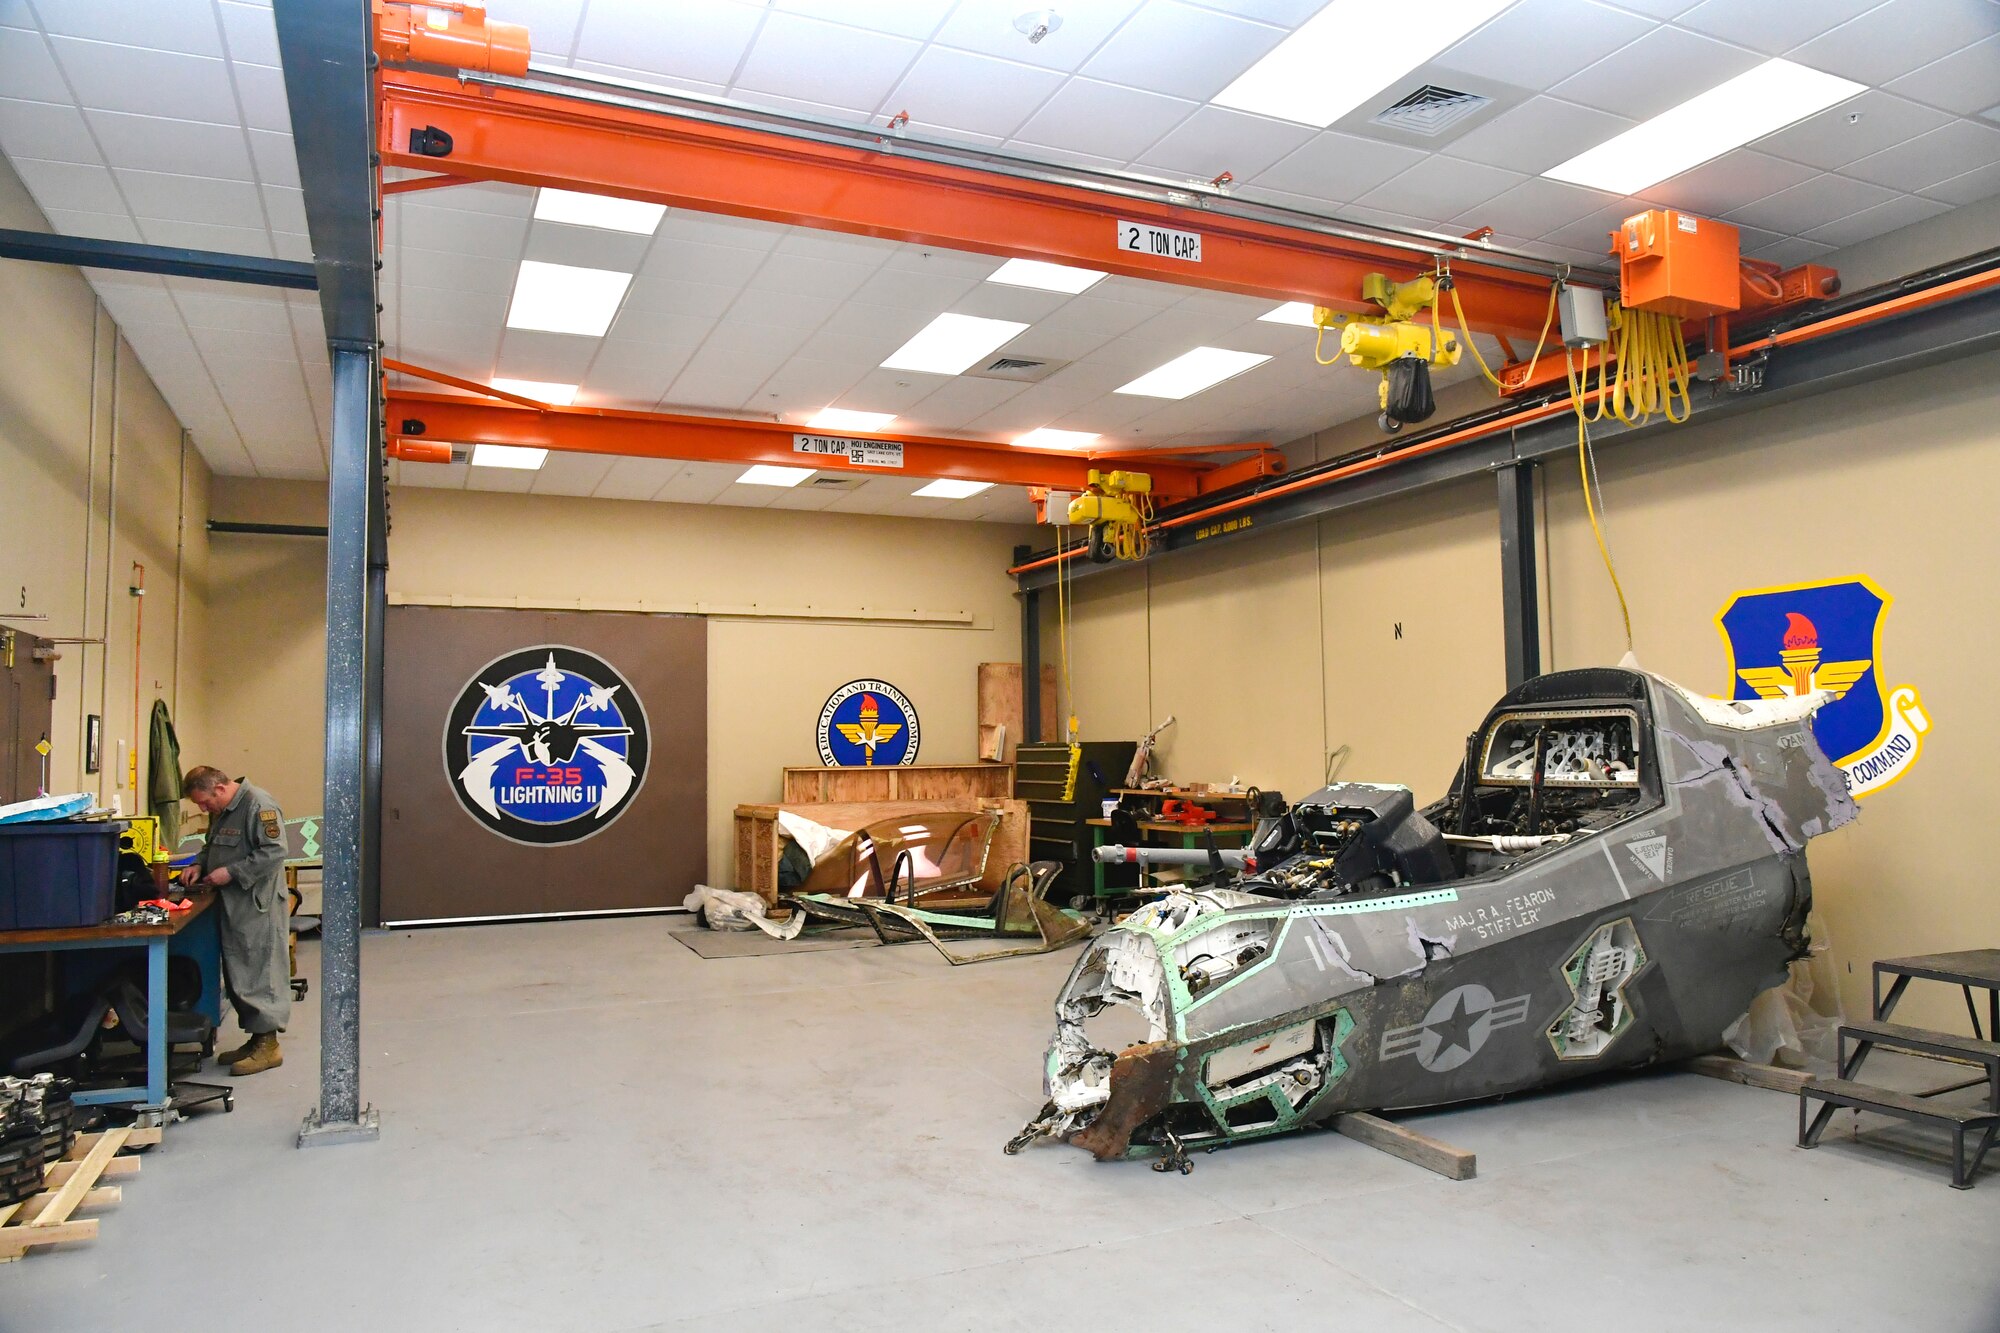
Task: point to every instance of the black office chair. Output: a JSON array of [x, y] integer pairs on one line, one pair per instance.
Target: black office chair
[[83, 1048]]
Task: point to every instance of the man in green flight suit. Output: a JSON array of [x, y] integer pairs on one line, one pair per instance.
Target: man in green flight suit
[[243, 861]]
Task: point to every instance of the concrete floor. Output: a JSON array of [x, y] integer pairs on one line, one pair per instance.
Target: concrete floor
[[585, 1127]]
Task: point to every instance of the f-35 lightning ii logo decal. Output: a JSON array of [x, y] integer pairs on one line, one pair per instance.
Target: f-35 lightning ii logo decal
[[546, 745]]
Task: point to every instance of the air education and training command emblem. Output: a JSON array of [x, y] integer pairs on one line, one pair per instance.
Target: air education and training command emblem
[[546, 745], [868, 724], [1827, 636]]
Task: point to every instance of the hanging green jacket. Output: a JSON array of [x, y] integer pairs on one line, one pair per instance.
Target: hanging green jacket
[[164, 765]]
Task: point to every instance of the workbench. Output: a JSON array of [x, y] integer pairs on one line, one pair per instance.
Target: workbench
[[1190, 836], [155, 940]]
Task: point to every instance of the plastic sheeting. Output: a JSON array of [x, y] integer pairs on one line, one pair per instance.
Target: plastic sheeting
[[727, 909], [1794, 1025]]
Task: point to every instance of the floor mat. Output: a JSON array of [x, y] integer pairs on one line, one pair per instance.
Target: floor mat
[[756, 944]]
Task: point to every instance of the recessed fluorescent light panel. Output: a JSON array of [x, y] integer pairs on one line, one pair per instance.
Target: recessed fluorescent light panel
[[951, 490], [1291, 312], [765, 474], [556, 395], [951, 343], [598, 210], [1048, 437], [562, 298], [1295, 81], [1045, 277], [1707, 125], [1190, 373], [508, 455], [839, 418]]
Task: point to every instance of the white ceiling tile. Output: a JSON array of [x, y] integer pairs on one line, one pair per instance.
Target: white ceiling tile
[[437, 303], [156, 194], [899, 18], [1438, 188], [1534, 208], [1103, 118], [800, 275], [585, 247], [1536, 135], [693, 261], [27, 70], [696, 300], [184, 147], [1772, 29], [428, 227], [1874, 221], [661, 326], [47, 131], [433, 476], [1537, 43], [713, 229], [98, 226], [187, 26], [805, 384], [1216, 139], [1792, 251], [495, 197], [70, 186], [136, 305], [262, 89], [1337, 168], [902, 289], [277, 161], [697, 483], [1661, 69], [810, 243], [1900, 36], [1728, 182], [236, 347], [998, 300], [551, 25], [693, 39], [553, 358], [514, 479], [1862, 125], [755, 345], [291, 246], [1181, 51], [454, 271], [987, 27], [926, 259], [1961, 146], [204, 305], [637, 478], [1966, 81], [845, 66], [126, 78], [1819, 201], [954, 405], [251, 35], [461, 349], [759, 306], [1592, 232], [570, 474], [978, 93], [1969, 188]]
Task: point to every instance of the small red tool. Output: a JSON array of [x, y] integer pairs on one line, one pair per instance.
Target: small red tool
[[1175, 810]]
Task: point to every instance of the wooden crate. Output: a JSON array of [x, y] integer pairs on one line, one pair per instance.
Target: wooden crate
[[910, 782], [758, 839], [1000, 708]]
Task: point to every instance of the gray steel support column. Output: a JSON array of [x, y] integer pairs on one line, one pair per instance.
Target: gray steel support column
[[343, 835], [1520, 588], [1031, 666], [371, 792]]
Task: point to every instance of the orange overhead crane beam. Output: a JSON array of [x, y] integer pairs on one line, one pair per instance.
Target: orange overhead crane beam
[[493, 130], [418, 423]]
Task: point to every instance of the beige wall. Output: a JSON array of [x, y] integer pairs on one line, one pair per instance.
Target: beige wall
[[96, 478], [1892, 479], [774, 583]]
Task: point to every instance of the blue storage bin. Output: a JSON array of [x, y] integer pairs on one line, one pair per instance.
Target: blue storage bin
[[58, 874]]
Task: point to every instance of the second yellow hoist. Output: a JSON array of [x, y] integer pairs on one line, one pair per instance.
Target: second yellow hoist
[[1398, 344], [1116, 507]]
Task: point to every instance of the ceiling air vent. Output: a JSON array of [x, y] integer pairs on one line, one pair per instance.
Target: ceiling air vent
[[1018, 368], [1430, 110], [837, 483]]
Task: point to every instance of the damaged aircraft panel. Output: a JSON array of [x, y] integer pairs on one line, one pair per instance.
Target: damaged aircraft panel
[[1618, 869]]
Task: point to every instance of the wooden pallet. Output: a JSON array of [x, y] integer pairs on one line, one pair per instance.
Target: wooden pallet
[[71, 1186]]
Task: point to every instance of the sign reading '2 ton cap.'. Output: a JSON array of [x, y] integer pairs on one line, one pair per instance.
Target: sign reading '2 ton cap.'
[[868, 724], [547, 745]]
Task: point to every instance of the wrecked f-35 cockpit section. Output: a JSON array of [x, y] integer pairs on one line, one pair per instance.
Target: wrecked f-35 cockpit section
[[1618, 868]]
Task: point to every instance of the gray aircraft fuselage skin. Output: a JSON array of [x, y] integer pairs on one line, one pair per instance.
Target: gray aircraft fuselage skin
[[1389, 958]]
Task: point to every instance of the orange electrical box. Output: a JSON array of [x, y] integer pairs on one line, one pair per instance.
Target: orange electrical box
[[1678, 264]]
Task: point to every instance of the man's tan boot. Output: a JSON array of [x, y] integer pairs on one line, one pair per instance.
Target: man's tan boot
[[262, 1055], [226, 1058]]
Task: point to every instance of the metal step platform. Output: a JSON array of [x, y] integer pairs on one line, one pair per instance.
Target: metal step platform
[[1834, 1093]]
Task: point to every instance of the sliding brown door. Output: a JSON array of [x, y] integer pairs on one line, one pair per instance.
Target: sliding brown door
[[541, 762]]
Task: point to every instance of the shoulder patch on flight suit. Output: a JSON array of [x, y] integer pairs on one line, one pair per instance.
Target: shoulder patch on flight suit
[[268, 821]]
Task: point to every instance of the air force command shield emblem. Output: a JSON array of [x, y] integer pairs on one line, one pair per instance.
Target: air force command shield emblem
[[1827, 636], [546, 745], [868, 724]]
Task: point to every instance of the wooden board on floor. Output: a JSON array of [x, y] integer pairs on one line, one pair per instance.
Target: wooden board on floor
[[1753, 1075], [1406, 1143], [49, 1217]]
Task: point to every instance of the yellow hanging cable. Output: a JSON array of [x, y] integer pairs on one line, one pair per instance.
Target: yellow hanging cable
[[1062, 630], [1585, 468], [1541, 341], [1319, 338]]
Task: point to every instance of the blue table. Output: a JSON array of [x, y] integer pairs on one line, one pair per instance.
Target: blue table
[[156, 941]]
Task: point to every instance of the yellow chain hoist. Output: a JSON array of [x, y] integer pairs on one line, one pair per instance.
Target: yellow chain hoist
[[1116, 507], [1400, 345]]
